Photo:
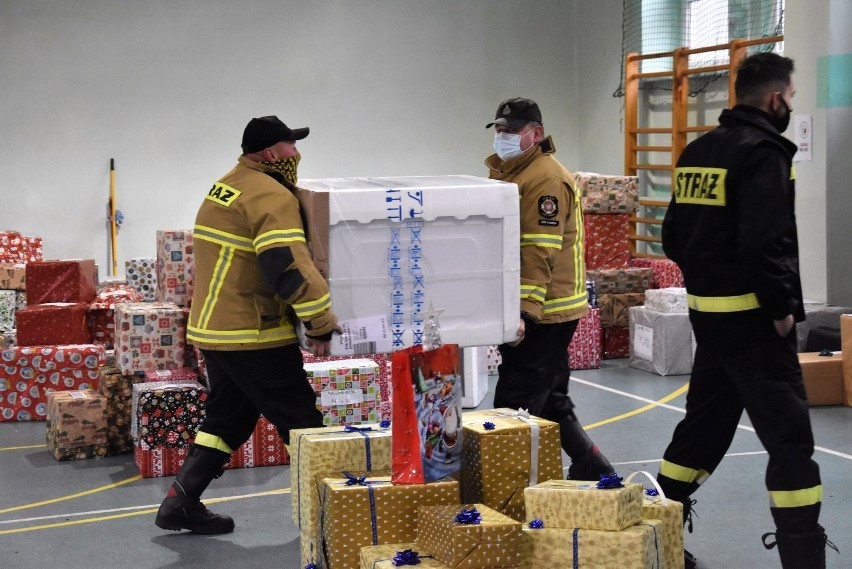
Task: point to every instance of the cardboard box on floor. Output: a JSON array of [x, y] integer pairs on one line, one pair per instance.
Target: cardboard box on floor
[[823, 377], [393, 247]]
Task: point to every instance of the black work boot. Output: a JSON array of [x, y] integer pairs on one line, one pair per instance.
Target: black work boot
[[800, 550], [689, 560], [182, 507], [587, 461]]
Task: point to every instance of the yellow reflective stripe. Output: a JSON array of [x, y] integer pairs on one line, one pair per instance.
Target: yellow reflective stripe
[[533, 291], [284, 332], [541, 240], [795, 498], [682, 473], [312, 307], [723, 303], [577, 251], [220, 270], [700, 186], [565, 303], [793, 172], [222, 238], [278, 236], [212, 441]]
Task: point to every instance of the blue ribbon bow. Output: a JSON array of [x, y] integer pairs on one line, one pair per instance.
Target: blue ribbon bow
[[651, 492], [354, 429], [311, 566], [384, 424], [469, 517], [407, 557], [489, 426], [352, 480], [608, 481], [536, 524]]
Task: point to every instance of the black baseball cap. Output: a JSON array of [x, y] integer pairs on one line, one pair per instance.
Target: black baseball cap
[[515, 113], [266, 131]]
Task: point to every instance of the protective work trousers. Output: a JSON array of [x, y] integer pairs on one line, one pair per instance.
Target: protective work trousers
[[766, 381], [534, 374], [246, 384]]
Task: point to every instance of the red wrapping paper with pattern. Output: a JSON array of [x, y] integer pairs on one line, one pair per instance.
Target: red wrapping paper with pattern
[[606, 242], [17, 248], [53, 324], [666, 272], [616, 342], [28, 374], [585, 347], [62, 281]]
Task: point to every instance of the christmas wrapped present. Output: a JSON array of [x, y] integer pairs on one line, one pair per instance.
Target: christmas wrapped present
[[504, 452], [666, 272], [141, 274], [101, 313], [149, 336], [472, 536], [76, 424], [166, 414], [670, 530], [395, 555], [17, 248], [660, 343], [606, 244], [670, 300], [602, 193], [118, 390], [846, 354], [13, 276], [8, 303], [51, 324], [8, 338], [365, 508], [568, 504], [584, 351], [348, 391], [73, 280], [493, 359], [382, 363], [614, 308], [159, 461], [619, 281], [29, 373], [331, 449], [616, 342], [175, 266], [635, 547], [171, 375]]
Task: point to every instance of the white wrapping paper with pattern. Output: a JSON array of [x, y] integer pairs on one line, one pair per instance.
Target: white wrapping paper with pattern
[[568, 504]]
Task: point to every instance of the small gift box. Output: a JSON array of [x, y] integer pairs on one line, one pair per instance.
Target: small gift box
[[568, 504], [76, 424], [472, 536]]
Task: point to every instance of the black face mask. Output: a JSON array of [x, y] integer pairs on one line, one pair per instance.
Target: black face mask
[[781, 123]]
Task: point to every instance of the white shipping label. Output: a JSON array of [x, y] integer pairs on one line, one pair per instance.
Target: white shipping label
[[643, 342], [335, 397], [368, 335]]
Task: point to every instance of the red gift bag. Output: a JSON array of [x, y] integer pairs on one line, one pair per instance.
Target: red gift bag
[[426, 428]]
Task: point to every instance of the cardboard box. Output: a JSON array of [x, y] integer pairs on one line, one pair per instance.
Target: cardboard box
[[660, 343], [568, 504], [71, 280], [382, 557], [493, 543], [392, 247], [499, 462], [372, 511], [331, 449], [632, 548], [846, 341], [823, 377]]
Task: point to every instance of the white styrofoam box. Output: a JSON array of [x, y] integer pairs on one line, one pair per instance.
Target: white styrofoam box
[[660, 343], [474, 375], [394, 247], [669, 300]]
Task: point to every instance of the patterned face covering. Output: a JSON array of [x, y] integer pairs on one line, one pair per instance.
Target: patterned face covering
[[287, 167]]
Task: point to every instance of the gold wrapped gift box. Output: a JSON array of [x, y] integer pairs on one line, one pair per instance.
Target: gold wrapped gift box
[[493, 543], [568, 504], [670, 530], [635, 547], [364, 508], [496, 463], [382, 556], [331, 449]]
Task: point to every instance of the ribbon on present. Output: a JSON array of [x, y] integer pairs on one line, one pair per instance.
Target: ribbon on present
[[657, 490], [407, 557], [488, 426], [536, 524], [609, 481], [469, 517], [520, 415], [352, 480]]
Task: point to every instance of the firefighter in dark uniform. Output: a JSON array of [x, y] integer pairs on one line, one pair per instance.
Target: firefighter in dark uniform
[[731, 228], [254, 278]]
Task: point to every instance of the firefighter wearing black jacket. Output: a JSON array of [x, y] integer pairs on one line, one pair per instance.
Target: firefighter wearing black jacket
[[731, 228]]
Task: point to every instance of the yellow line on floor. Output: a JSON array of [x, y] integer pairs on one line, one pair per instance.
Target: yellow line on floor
[[73, 496], [23, 447], [676, 393], [138, 513]]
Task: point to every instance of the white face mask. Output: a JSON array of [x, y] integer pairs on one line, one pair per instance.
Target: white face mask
[[507, 145]]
